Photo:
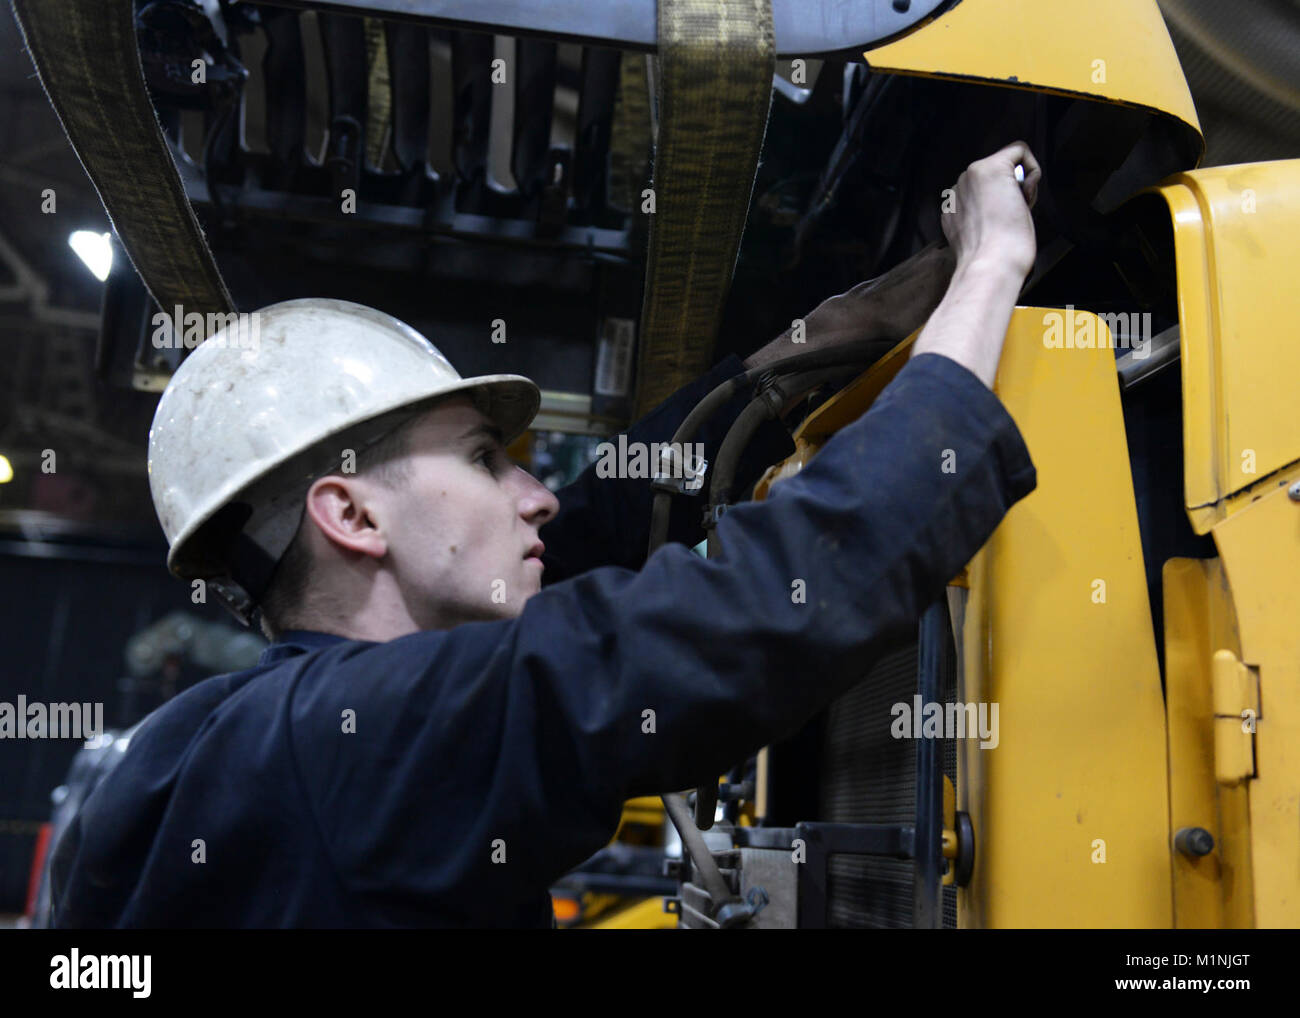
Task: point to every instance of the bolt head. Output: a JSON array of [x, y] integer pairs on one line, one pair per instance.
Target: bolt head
[[1195, 841]]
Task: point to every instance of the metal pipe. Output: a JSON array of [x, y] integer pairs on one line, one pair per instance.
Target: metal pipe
[[693, 843]]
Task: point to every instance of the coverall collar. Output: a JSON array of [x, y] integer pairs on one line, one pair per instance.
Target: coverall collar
[[293, 642]]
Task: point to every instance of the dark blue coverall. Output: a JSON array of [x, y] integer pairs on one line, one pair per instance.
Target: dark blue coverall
[[529, 731]]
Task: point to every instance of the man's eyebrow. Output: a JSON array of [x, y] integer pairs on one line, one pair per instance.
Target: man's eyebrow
[[491, 430]]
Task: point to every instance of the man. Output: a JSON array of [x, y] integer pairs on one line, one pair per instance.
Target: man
[[435, 737]]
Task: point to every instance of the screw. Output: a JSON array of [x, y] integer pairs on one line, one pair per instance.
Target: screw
[[1294, 492], [902, 6], [1194, 841]]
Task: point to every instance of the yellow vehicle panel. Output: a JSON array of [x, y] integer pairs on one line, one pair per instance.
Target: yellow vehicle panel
[[1215, 890], [1070, 809], [1237, 242], [1115, 51], [1260, 547]]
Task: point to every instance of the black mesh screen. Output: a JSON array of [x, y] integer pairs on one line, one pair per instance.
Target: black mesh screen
[[868, 776]]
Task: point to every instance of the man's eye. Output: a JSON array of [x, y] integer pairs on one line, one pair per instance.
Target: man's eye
[[485, 457]]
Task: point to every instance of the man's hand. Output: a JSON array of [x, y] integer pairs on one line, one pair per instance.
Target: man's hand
[[993, 235], [990, 217], [992, 250]]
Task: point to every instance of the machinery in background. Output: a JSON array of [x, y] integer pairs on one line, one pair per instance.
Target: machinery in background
[[622, 886], [1129, 617], [154, 659], [96, 759], [155, 654]]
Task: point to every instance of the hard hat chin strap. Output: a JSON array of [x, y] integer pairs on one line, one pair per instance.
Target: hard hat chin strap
[[234, 598], [252, 564], [253, 553]]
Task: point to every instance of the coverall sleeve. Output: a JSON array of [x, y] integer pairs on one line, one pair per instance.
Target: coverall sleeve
[[523, 737], [606, 520]]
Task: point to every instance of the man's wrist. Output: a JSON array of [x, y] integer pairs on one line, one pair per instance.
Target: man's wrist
[[987, 272], [970, 324]]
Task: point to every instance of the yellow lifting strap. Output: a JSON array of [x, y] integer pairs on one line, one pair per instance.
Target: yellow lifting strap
[[629, 141], [379, 93], [714, 89]]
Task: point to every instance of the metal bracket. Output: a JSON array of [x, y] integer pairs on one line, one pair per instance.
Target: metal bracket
[[713, 513], [677, 477]]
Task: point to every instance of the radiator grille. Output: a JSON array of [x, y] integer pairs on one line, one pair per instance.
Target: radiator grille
[[870, 777]]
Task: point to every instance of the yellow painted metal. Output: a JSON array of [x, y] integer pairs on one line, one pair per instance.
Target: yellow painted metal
[[1058, 632], [642, 822], [646, 810], [1116, 51], [1260, 548], [1214, 890], [1235, 690], [1079, 773], [643, 915], [950, 844], [589, 908], [1236, 708], [843, 408], [1236, 242]]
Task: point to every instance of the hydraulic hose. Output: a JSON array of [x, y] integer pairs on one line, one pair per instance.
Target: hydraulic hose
[[859, 353], [760, 409]]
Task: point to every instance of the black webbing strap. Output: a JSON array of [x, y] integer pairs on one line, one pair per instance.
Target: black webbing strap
[[86, 55], [716, 61]]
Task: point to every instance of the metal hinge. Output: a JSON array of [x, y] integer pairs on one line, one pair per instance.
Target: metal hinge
[[1235, 693]]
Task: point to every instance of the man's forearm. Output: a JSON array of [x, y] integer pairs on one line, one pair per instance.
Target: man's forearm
[[970, 323]]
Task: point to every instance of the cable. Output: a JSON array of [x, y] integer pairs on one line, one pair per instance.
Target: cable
[[859, 352]]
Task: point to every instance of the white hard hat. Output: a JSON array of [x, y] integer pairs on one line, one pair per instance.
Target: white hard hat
[[265, 405]]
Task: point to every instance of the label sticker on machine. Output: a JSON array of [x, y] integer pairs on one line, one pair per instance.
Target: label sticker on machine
[[614, 357]]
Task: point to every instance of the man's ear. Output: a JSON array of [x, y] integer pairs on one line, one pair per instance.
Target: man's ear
[[344, 510]]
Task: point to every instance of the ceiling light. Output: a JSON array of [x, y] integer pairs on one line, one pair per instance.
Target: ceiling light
[[95, 249]]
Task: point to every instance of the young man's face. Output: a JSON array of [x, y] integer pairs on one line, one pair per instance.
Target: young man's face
[[462, 529]]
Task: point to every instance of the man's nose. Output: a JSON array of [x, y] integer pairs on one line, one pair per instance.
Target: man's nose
[[537, 503]]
